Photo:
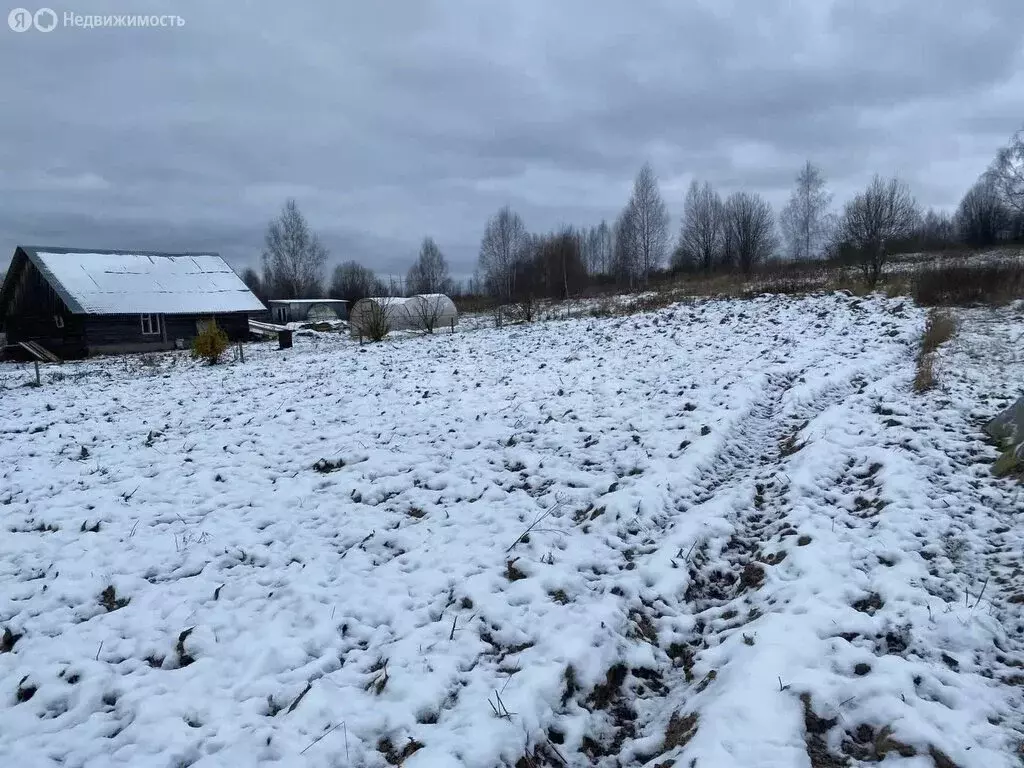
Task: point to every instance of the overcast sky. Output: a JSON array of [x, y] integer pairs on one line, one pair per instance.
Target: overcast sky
[[391, 120]]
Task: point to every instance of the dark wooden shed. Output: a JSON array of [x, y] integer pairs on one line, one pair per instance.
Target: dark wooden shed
[[73, 302]]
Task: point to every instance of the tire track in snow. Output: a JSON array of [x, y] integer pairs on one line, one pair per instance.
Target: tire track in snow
[[634, 698], [724, 585], [753, 467]]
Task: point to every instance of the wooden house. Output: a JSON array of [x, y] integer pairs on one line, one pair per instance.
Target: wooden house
[[74, 302]]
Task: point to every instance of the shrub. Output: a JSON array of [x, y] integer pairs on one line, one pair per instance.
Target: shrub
[[524, 309], [426, 311], [376, 323], [210, 343], [375, 318], [994, 283], [498, 314]]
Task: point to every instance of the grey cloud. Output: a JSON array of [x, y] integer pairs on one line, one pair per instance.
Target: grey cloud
[[391, 121]]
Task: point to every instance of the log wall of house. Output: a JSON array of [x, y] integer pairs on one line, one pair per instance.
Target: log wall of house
[[37, 313], [108, 334]]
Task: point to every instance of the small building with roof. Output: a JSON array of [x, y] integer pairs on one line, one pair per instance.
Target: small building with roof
[[74, 302], [307, 310]]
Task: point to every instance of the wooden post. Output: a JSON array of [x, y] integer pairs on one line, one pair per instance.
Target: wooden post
[[38, 382], [453, 324], [241, 352]]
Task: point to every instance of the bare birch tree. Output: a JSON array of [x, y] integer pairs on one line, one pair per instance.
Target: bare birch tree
[[293, 257], [605, 247], [626, 265], [430, 272], [596, 249], [805, 220], [650, 222], [884, 212], [502, 246], [700, 233]]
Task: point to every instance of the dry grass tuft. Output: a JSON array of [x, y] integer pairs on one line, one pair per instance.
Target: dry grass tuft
[[110, 600], [939, 329], [378, 683], [396, 756], [512, 573], [790, 445], [604, 693], [680, 730], [924, 379], [1009, 464], [643, 628], [816, 730], [572, 685]]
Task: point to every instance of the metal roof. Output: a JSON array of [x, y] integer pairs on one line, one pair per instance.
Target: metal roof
[[307, 301], [104, 282]]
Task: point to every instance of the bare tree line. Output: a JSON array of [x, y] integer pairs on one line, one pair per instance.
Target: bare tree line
[[738, 232], [516, 266], [294, 261], [741, 231]]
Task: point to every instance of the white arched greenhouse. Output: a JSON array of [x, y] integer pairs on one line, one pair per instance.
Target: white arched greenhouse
[[375, 317], [431, 311]]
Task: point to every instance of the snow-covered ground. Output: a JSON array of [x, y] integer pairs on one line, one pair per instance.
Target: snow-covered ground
[[724, 533]]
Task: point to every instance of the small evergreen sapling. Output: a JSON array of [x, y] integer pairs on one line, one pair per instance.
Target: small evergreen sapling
[[210, 344]]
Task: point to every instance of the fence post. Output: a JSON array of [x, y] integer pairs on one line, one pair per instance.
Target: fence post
[[452, 321], [241, 352], [38, 382]]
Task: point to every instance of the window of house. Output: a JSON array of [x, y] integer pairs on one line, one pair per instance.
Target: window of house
[[58, 321], [150, 325]]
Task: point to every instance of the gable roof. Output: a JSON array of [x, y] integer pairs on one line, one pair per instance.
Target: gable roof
[[102, 282]]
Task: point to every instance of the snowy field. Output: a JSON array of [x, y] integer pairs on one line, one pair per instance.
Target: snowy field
[[726, 533]]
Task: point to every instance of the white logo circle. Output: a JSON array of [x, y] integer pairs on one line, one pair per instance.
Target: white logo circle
[[45, 20], [20, 20]]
